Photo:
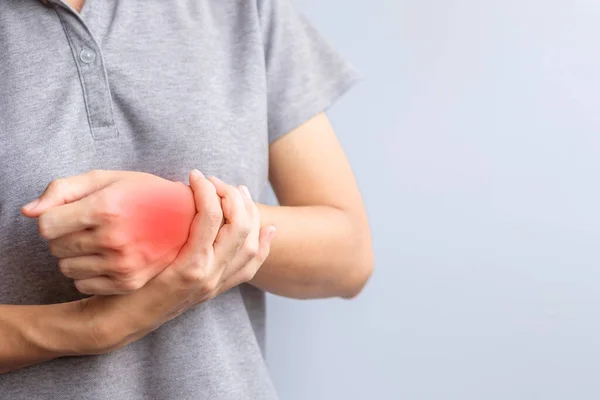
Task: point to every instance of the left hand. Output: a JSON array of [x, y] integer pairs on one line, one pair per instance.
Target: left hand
[[113, 231], [215, 258]]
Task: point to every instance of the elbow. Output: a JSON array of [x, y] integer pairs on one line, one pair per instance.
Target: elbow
[[360, 272], [361, 259]]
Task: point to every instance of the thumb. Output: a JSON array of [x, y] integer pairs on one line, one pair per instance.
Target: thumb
[[68, 190]]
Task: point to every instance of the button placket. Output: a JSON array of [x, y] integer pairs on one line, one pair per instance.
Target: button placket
[[94, 80]]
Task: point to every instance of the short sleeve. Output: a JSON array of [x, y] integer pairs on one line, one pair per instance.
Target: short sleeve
[[305, 75]]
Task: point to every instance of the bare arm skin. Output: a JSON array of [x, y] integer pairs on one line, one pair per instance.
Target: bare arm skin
[[215, 258], [322, 248], [323, 243], [33, 334]]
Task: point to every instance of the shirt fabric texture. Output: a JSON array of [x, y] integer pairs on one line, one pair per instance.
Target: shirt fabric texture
[[160, 87]]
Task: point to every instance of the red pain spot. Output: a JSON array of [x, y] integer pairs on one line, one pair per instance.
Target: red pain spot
[[159, 216]]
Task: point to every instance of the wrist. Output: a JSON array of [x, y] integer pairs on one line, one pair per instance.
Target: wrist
[[266, 214], [56, 330], [112, 322], [107, 323]]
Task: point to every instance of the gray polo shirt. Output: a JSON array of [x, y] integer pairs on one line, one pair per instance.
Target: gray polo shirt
[[161, 87]]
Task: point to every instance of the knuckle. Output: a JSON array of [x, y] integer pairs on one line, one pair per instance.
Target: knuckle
[[126, 268], [106, 208], [251, 250], [65, 267], [57, 185], [44, 226], [113, 239], [54, 248], [199, 258], [131, 284], [208, 287], [104, 240], [194, 276], [85, 287], [78, 245], [203, 256]]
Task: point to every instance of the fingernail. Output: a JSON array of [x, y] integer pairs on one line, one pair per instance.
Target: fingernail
[[246, 192], [197, 174], [31, 205]]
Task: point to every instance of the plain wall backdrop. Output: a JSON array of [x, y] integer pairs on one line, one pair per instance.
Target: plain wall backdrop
[[475, 139]]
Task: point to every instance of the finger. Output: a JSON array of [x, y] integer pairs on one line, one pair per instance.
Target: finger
[[247, 198], [101, 285], [265, 241], [249, 270], [66, 219], [76, 244], [209, 215], [84, 267], [231, 199], [67, 190], [251, 245], [106, 286], [238, 223]]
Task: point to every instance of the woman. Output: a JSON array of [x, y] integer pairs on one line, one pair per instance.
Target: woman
[[137, 287]]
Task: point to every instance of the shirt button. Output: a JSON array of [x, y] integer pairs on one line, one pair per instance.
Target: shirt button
[[87, 55]]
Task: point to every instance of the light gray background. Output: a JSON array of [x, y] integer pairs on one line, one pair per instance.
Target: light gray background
[[475, 139]]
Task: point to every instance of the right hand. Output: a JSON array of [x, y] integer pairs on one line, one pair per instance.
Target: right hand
[[113, 231], [215, 259]]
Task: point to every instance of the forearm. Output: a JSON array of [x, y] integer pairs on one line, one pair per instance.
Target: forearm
[[317, 252], [96, 325], [34, 334]]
